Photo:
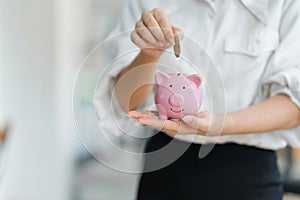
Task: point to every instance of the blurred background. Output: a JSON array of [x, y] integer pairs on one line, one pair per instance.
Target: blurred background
[[42, 44]]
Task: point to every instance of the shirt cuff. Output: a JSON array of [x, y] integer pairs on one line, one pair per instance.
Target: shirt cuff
[[284, 82]]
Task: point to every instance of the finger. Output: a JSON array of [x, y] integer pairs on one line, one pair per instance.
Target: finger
[[146, 35], [137, 40], [203, 114], [184, 131], [153, 122], [143, 114], [165, 125], [171, 127], [149, 114], [195, 122], [152, 25], [164, 24], [135, 114], [179, 128], [172, 133], [178, 32]]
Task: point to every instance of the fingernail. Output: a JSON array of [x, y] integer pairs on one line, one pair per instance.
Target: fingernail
[[179, 34], [188, 119]]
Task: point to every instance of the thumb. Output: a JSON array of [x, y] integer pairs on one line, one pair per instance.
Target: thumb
[[178, 32], [193, 121]]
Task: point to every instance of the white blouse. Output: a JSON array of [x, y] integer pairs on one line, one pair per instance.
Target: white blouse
[[252, 51]]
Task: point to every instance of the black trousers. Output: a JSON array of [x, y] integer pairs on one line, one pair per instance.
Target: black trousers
[[229, 171]]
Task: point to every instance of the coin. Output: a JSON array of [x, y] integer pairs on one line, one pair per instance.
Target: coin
[[177, 46]]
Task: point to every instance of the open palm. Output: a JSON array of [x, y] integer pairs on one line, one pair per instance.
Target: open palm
[[198, 124]]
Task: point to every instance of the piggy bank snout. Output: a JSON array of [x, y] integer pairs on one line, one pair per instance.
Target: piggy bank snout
[[176, 100]]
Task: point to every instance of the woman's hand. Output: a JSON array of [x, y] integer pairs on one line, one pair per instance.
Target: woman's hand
[[200, 124], [154, 33], [275, 113]]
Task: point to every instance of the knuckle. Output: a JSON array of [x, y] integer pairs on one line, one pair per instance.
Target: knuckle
[[145, 14], [156, 10], [139, 25], [149, 23], [133, 37], [163, 21]]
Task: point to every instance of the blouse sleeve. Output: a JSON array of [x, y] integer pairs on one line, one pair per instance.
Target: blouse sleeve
[[283, 70], [121, 52]]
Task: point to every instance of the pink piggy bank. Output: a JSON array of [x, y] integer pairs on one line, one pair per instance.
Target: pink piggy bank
[[177, 95]]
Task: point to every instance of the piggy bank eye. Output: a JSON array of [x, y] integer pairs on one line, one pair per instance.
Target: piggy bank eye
[[183, 87], [171, 85]]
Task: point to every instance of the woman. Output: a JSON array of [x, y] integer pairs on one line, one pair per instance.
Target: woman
[[254, 44]]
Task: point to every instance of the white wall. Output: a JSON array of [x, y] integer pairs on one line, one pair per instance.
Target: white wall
[[39, 164], [42, 44]]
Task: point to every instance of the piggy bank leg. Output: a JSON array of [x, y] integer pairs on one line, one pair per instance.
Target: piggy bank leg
[[162, 114]]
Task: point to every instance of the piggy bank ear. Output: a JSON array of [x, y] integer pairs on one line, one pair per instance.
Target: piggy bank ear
[[195, 78], [160, 77]]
